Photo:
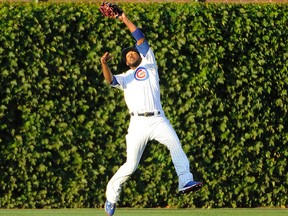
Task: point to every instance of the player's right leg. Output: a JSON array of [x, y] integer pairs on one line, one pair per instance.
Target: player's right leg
[[135, 148]]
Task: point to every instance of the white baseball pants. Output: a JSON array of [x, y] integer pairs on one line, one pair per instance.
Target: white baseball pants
[[141, 130]]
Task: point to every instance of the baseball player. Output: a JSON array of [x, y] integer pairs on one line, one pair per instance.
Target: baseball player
[[148, 122]]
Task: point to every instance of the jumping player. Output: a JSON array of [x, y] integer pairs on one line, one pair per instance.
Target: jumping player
[[148, 122]]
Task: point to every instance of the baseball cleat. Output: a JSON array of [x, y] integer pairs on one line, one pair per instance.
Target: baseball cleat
[[191, 186], [110, 208]]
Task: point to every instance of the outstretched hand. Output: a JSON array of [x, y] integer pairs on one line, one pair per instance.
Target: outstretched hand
[[106, 57], [110, 10], [120, 17]]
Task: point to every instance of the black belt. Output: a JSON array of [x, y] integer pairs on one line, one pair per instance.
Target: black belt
[[146, 114]]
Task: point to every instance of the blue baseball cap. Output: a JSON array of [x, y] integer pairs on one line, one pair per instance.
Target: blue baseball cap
[[128, 49]]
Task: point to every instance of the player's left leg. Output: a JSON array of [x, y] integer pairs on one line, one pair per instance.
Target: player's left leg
[[165, 134]]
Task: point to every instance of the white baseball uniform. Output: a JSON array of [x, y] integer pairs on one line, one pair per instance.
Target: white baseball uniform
[[142, 94]]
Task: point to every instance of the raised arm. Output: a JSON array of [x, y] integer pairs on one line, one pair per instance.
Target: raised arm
[[105, 68], [139, 37], [136, 32]]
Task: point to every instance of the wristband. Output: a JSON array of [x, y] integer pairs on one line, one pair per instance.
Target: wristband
[[137, 34]]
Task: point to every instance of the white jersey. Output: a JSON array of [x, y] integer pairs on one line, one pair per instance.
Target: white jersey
[[141, 86]]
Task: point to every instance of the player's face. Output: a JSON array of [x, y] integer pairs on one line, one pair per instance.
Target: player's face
[[133, 59]]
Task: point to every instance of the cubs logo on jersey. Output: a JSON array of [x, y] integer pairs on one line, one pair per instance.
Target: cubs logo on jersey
[[141, 74]]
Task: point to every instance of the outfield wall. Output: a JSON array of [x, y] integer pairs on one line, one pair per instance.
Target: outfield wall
[[223, 72]]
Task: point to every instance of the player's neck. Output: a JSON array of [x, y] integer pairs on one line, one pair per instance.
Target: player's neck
[[133, 68]]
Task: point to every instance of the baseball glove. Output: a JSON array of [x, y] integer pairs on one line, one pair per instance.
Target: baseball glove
[[110, 10]]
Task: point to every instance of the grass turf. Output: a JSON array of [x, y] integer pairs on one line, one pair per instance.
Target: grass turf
[[147, 212]]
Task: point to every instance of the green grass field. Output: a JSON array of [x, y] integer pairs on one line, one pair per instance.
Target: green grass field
[[146, 212]]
